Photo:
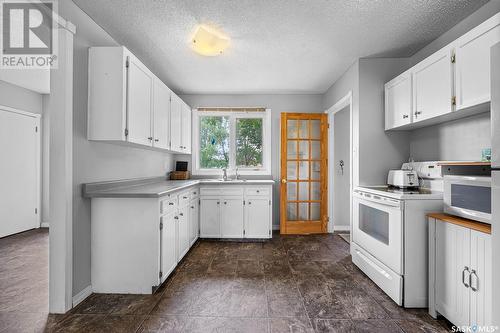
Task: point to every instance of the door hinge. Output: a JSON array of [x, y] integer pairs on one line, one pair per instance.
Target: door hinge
[[161, 225], [243, 202], [126, 131], [36, 129], [36, 210], [453, 58], [127, 63], [454, 100], [161, 274], [269, 232], [244, 232], [269, 202]]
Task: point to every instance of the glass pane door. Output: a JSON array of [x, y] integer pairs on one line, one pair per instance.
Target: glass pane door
[[303, 172]]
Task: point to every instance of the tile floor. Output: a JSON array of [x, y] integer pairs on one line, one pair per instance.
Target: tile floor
[[289, 284]]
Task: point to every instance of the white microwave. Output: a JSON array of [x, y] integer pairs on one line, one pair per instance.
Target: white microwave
[[468, 197]]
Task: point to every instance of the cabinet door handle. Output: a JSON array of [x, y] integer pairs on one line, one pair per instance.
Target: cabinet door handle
[[225, 203], [157, 140], [466, 269], [192, 207], [249, 203], [184, 197], [176, 217], [181, 214], [405, 116], [150, 138], [170, 203], [417, 113], [473, 273], [218, 202]]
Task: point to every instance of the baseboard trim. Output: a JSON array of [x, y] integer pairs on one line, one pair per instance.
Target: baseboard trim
[[44, 225], [78, 298], [341, 228]]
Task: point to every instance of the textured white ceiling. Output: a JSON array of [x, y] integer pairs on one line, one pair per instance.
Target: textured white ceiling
[[277, 46]]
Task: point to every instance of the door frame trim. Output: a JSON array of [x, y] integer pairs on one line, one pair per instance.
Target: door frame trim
[[341, 104], [39, 175]]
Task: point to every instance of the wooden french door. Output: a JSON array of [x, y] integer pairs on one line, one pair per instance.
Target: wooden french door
[[304, 177]]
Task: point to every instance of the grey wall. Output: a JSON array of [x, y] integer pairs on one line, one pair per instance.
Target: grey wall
[[379, 151], [277, 104], [374, 150], [341, 180], [20, 98], [94, 161], [462, 139]]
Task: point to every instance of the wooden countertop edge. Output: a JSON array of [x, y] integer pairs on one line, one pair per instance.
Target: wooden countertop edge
[[465, 164], [474, 225]]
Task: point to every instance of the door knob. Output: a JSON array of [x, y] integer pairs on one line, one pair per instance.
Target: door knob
[[283, 181]]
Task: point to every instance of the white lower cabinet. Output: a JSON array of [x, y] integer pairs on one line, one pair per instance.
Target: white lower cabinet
[[231, 217], [236, 211], [209, 217], [183, 242], [168, 245], [194, 220], [257, 218], [460, 274]]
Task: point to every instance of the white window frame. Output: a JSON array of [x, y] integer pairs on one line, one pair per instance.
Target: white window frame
[[266, 143]]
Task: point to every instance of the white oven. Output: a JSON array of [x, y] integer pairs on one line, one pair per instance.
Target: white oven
[[468, 197], [378, 228]]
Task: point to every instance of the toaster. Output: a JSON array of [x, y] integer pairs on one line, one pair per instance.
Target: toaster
[[402, 178]]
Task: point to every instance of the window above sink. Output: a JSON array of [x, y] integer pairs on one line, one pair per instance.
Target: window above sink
[[231, 138]]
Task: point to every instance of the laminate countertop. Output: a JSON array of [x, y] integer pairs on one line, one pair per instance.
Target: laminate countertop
[[155, 187]]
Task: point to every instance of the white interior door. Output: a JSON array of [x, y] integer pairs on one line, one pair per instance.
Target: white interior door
[[19, 170], [139, 95]]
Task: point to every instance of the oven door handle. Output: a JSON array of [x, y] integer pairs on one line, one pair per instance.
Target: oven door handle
[[377, 199]]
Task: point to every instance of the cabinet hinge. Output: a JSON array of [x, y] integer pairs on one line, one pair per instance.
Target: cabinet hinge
[[126, 131], [269, 232], [453, 58], [161, 274], [36, 129], [244, 232], [127, 63], [454, 100], [36, 210], [161, 225], [243, 202], [269, 202]]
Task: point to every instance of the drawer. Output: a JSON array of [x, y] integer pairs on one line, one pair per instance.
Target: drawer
[[258, 191], [184, 198], [168, 205], [194, 193]]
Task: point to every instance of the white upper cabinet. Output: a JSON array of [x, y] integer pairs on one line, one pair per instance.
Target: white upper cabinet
[[472, 56], [161, 115], [186, 129], [139, 102], [128, 103], [433, 86], [452, 83], [176, 123], [398, 101]]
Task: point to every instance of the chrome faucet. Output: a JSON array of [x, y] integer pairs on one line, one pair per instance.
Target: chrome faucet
[[224, 175]]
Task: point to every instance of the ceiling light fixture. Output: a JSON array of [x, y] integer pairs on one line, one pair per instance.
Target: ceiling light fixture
[[209, 41]]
